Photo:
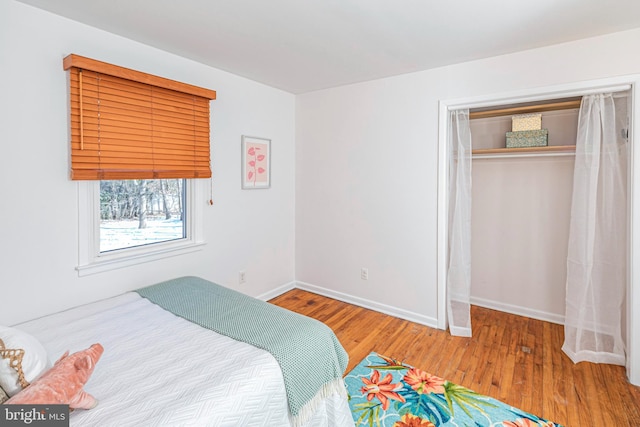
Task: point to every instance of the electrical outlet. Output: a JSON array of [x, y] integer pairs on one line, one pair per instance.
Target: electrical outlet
[[242, 277], [364, 273]]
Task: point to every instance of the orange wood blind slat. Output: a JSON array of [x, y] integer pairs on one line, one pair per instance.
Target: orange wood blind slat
[[135, 120], [133, 130], [113, 95]]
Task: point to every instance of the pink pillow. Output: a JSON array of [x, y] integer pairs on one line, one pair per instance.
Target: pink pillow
[[62, 384]]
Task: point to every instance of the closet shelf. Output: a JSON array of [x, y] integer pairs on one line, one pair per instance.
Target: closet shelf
[[521, 109], [529, 151]]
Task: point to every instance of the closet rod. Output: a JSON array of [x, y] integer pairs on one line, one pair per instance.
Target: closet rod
[[515, 156], [538, 108]]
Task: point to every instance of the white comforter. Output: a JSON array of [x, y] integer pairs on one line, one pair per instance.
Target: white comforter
[[161, 370]]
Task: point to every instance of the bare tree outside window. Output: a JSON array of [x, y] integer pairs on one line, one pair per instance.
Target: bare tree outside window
[[141, 212]]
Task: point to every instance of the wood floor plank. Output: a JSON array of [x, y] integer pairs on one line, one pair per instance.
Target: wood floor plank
[[515, 359]]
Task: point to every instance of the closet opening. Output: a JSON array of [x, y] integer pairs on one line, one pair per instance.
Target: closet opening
[[539, 215], [521, 207]]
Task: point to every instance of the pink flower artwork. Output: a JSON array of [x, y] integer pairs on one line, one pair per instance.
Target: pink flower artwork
[[256, 163]]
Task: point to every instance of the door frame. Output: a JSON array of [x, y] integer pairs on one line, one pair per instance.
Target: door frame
[[615, 84]]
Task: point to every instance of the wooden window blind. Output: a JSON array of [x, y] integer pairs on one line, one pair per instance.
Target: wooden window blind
[[126, 124]]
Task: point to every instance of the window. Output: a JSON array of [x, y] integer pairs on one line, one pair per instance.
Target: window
[[139, 143], [141, 212], [94, 259]]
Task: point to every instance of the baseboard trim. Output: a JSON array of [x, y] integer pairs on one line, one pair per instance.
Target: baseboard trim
[[368, 304], [405, 314], [520, 311], [277, 291]]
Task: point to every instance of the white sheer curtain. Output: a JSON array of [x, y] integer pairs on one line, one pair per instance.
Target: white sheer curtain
[[459, 265], [597, 256]]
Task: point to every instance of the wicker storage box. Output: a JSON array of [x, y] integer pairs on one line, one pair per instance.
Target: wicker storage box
[[531, 121], [528, 138]]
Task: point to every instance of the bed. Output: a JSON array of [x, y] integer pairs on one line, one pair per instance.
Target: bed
[[160, 369]]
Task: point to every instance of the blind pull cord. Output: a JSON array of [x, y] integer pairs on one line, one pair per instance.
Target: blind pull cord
[[81, 113]]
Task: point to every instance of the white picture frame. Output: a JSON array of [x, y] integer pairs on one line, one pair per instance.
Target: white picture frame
[[256, 163]]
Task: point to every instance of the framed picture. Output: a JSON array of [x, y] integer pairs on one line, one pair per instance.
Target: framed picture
[[256, 162]]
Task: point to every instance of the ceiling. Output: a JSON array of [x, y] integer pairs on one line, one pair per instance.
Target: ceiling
[[305, 45]]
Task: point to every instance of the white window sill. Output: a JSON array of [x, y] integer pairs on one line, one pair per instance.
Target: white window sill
[[113, 261]]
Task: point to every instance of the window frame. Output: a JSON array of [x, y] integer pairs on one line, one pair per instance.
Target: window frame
[[91, 260]]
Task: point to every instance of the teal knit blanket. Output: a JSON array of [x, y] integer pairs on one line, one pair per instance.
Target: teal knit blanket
[[309, 353]]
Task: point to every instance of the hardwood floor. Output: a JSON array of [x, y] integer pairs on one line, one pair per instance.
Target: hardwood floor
[[512, 358]]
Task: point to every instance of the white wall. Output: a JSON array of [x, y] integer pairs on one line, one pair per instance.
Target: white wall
[[245, 230], [366, 167]]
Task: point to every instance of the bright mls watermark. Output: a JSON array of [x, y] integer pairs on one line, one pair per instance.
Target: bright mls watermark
[[35, 415]]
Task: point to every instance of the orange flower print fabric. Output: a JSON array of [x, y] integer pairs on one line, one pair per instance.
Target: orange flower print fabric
[[381, 389], [386, 392]]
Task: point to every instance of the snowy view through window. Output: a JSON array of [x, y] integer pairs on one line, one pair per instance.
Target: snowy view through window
[[140, 212]]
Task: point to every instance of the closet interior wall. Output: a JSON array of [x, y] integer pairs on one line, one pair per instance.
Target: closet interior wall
[[520, 220]]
